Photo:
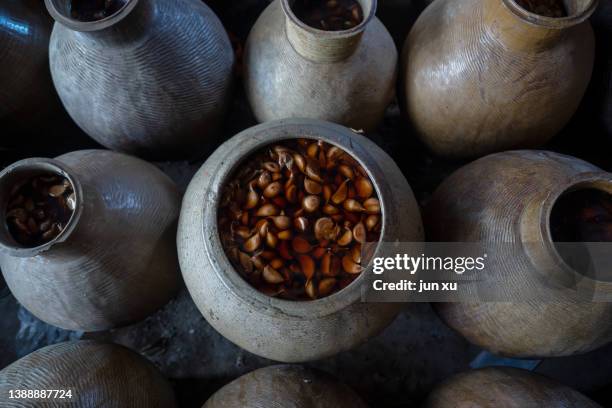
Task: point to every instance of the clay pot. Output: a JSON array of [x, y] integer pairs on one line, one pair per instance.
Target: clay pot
[[293, 70], [507, 198], [506, 387], [115, 261], [481, 76], [285, 386], [152, 79], [97, 374], [252, 320], [27, 95]]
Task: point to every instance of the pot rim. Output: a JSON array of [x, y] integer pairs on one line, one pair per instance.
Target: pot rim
[[253, 139], [87, 26], [601, 181], [552, 22], [31, 166], [359, 28]]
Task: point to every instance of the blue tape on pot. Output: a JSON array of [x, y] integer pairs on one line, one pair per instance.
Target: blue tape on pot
[[486, 359]]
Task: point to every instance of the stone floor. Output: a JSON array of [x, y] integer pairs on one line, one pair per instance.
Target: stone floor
[[396, 369]]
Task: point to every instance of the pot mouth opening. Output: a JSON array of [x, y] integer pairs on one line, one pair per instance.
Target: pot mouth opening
[[306, 17], [579, 222], [553, 13], [89, 15], [40, 206], [238, 260]]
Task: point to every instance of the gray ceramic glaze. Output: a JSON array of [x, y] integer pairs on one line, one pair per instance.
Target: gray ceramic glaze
[[293, 70], [273, 328], [115, 262], [153, 79], [285, 386], [97, 374]]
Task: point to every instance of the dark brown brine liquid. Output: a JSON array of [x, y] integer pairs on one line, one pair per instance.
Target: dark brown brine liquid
[[582, 216], [39, 209], [329, 15], [546, 8], [94, 10]]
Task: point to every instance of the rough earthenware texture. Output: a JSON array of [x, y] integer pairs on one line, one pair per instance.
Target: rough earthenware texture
[[281, 83], [506, 387], [285, 386], [27, 95], [506, 198], [115, 263], [478, 78], [154, 84], [273, 328], [98, 375]]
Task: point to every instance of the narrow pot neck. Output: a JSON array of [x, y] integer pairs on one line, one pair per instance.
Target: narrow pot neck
[[20, 172], [128, 24], [325, 46], [535, 230], [519, 29]]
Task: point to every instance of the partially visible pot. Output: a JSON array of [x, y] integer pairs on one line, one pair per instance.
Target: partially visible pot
[[285, 386], [27, 96], [507, 199], [293, 70], [152, 79], [505, 387], [282, 330], [482, 76], [96, 374], [115, 261]]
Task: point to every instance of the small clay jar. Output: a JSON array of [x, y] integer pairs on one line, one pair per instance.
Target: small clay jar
[[285, 386], [506, 387], [115, 261], [27, 96], [294, 70], [96, 374], [482, 76], [152, 78], [507, 199], [284, 330]]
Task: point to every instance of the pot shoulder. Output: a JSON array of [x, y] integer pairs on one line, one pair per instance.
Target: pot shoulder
[[280, 83], [96, 373], [485, 199], [282, 386], [469, 94]]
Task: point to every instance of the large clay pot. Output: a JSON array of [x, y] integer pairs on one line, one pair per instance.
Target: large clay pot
[[481, 76], [27, 96], [285, 386], [507, 198], [294, 70], [152, 79], [96, 374], [282, 330], [506, 387], [115, 261]]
